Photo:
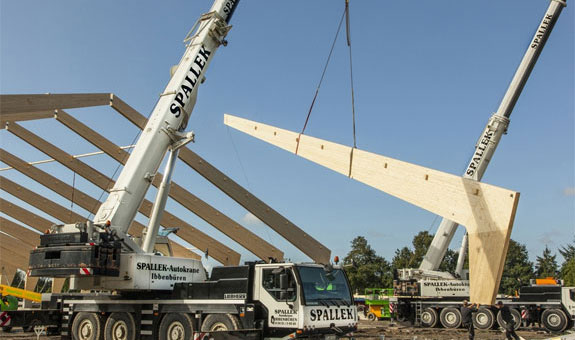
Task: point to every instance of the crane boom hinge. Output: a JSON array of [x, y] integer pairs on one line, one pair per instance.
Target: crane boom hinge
[[179, 139]]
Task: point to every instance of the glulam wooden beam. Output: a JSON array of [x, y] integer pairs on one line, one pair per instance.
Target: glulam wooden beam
[[200, 240], [30, 219], [216, 218], [23, 234], [21, 116], [53, 209], [485, 210], [77, 196], [7, 271], [16, 103], [308, 245]]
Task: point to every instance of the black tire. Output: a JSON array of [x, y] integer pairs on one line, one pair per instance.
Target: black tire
[[554, 320], [429, 317], [87, 326], [120, 326], [450, 317], [371, 317], [176, 326], [31, 325], [484, 319], [220, 322], [516, 319]]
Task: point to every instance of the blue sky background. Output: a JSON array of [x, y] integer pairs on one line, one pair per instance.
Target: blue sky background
[[428, 75]]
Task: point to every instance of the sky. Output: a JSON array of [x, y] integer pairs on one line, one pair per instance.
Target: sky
[[427, 76]]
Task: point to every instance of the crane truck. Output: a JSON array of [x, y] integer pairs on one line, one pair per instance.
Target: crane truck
[[137, 294], [430, 297]]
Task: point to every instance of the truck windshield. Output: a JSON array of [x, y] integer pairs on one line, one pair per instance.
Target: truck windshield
[[324, 288]]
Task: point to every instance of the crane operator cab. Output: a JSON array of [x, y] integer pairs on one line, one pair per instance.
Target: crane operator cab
[[306, 299]]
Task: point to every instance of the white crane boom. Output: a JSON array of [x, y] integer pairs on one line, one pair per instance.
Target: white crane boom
[[496, 127], [168, 119]]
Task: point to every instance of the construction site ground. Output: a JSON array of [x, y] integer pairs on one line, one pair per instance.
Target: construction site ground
[[380, 330]]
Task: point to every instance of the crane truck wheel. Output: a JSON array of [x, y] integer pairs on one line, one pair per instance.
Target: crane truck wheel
[[450, 317], [484, 319], [371, 317], [220, 322], [176, 326], [429, 317], [31, 325], [516, 319], [554, 320], [87, 326], [120, 326]]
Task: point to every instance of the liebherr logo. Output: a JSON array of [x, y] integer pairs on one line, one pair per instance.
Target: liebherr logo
[[192, 76]]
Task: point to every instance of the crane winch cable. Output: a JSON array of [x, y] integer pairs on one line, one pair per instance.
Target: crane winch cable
[[348, 35], [73, 192], [348, 41]]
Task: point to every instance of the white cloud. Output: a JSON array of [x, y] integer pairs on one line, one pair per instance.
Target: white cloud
[[569, 191]]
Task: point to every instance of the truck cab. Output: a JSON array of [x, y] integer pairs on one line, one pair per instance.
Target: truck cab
[[305, 299]]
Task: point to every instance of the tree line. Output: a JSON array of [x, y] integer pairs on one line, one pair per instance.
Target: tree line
[[366, 269]]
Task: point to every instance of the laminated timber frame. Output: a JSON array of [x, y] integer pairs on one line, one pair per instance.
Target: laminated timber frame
[[26, 107], [485, 210], [217, 250], [29, 240], [202, 241]]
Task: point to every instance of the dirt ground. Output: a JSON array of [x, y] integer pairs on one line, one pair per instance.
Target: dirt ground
[[377, 329], [383, 330]]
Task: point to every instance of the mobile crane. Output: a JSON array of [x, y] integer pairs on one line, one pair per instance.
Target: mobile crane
[[141, 295], [429, 294]]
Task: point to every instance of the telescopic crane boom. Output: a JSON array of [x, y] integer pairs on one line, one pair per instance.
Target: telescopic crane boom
[[168, 120], [491, 135], [102, 247]]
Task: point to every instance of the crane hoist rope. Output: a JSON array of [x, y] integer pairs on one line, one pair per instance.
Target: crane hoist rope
[[345, 16], [322, 76]]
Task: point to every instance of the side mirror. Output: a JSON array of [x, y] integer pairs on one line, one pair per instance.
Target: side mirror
[[283, 282]]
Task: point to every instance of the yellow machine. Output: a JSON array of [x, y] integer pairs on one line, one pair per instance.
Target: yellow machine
[[20, 293]]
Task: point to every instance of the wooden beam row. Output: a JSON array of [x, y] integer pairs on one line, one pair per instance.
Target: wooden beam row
[[25, 235], [30, 219], [295, 235], [200, 240], [16, 117], [219, 220], [77, 196], [57, 211], [280, 224], [17, 103]]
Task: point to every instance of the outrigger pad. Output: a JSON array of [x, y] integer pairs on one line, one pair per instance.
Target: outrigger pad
[[485, 210]]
